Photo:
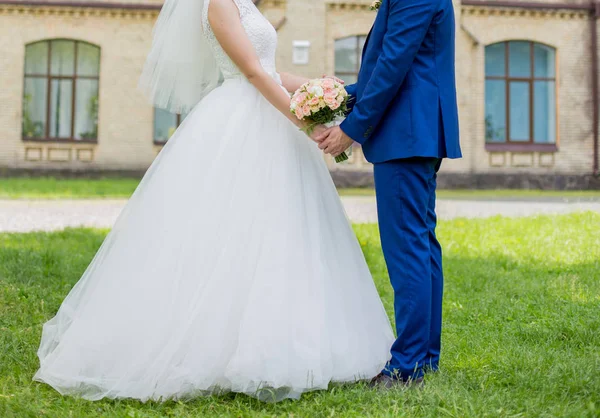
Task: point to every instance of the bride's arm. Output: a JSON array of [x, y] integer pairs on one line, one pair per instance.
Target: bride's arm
[[292, 82], [224, 19]]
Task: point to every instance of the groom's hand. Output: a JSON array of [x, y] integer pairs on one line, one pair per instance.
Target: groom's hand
[[334, 141], [318, 132]]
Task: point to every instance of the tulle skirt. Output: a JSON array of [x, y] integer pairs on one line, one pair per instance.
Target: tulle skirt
[[232, 268]]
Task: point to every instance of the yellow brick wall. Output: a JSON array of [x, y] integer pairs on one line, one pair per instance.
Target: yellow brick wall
[[569, 34], [305, 22], [126, 118]]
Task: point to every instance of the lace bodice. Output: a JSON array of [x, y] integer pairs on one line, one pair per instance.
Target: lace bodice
[[259, 30]]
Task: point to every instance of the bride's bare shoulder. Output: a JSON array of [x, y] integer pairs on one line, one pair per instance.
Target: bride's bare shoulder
[[239, 7], [225, 20], [222, 11], [222, 5]]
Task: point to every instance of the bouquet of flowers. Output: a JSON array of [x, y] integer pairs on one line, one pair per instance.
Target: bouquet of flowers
[[322, 101]]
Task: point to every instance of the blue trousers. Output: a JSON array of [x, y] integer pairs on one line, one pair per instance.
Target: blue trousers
[[405, 191]]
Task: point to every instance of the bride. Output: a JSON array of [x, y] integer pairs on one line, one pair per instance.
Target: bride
[[233, 266]]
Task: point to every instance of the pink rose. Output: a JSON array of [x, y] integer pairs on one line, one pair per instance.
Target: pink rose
[[330, 98], [328, 83], [331, 93], [331, 103], [335, 105], [306, 110], [314, 101], [301, 98]]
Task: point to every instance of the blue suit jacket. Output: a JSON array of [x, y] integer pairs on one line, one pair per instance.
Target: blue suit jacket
[[405, 97]]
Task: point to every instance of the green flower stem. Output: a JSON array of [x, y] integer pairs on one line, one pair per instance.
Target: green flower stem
[[341, 158]]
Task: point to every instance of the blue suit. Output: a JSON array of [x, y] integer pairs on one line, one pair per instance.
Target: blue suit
[[405, 117]]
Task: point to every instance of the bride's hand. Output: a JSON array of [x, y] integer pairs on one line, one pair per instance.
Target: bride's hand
[[318, 132], [334, 78]]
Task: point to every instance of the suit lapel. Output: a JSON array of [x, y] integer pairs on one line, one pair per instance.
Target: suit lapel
[[382, 10], [366, 42]]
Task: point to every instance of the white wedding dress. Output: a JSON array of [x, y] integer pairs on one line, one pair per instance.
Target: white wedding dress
[[232, 268]]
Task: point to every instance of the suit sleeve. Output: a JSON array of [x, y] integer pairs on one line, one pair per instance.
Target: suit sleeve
[[351, 90], [408, 23]]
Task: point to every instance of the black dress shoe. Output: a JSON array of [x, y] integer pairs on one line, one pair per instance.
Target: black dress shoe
[[383, 381]]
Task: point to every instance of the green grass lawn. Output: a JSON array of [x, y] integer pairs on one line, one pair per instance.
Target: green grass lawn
[[521, 336], [52, 188], [119, 188]]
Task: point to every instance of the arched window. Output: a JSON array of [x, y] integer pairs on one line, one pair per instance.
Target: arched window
[[165, 124], [60, 95], [348, 53], [520, 93]]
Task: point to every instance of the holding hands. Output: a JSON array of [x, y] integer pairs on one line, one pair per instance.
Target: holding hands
[[318, 132], [333, 141]]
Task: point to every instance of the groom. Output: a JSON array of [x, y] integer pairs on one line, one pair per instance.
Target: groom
[[405, 117]]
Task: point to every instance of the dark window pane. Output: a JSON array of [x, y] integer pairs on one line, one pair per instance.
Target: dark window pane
[[519, 59], [34, 107], [86, 109], [544, 117], [182, 117], [495, 111], [165, 124], [495, 60], [519, 111], [544, 61], [61, 110], [36, 58], [346, 57], [63, 58], [88, 59]]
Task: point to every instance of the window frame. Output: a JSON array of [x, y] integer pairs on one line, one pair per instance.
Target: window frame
[[49, 78], [359, 52], [178, 121], [530, 145]]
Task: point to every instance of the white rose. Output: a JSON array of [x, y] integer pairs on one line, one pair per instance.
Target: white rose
[[317, 91], [294, 105]]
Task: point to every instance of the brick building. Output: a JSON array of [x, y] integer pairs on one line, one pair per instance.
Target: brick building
[[526, 75]]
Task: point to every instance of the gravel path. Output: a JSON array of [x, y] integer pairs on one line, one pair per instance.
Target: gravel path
[[34, 215], [362, 209]]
